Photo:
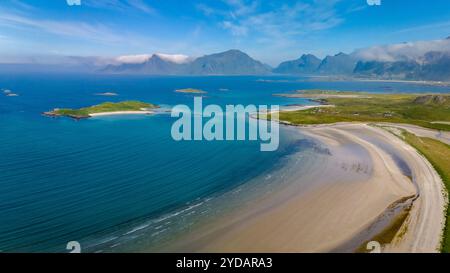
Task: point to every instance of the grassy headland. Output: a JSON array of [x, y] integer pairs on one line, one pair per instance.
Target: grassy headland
[[422, 110], [106, 107]]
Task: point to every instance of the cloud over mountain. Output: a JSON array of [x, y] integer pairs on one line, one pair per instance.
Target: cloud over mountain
[[412, 51], [133, 59], [231, 62], [175, 58], [142, 58]]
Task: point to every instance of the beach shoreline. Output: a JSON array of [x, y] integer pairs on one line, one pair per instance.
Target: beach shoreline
[[359, 183], [116, 113]]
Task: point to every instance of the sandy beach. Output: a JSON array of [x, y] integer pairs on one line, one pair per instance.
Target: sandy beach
[[422, 132], [302, 107], [294, 108], [121, 113], [367, 176], [425, 223]]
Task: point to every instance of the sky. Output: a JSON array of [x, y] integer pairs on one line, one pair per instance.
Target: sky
[[270, 31]]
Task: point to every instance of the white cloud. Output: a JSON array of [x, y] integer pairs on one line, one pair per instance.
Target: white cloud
[[142, 6], [206, 10], [22, 5], [142, 58], [56, 59], [405, 51], [236, 30], [96, 32], [120, 5], [422, 28], [174, 58], [282, 23], [242, 7], [133, 59]]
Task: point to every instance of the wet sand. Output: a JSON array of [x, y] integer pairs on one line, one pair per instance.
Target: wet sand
[[442, 136], [355, 185]]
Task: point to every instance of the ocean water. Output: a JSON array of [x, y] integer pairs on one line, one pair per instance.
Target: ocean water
[[121, 183]]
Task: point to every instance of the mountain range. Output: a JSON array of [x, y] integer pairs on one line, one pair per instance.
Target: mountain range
[[306, 64], [409, 61], [435, 66], [231, 62]]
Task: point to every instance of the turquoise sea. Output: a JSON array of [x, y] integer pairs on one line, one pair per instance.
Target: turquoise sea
[[121, 183]]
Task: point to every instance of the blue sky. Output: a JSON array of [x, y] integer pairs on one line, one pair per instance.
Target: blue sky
[[270, 31]]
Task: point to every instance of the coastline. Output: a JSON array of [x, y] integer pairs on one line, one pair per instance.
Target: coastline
[[357, 184], [101, 114], [104, 109], [424, 226], [420, 82], [300, 108], [443, 136]]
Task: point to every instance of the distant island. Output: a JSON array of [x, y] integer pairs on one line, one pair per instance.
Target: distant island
[[107, 94], [104, 109], [9, 93], [191, 91]]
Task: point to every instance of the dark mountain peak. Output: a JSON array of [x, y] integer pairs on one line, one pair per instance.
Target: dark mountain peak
[[306, 64], [231, 52], [231, 62], [234, 51], [430, 65], [433, 56], [338, 56], [308, 57], [339, 64], [155, 58], [155, 65]]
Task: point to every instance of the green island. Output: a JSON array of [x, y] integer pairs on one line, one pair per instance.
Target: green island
[[190, 91], [430, 111], [103, 108]]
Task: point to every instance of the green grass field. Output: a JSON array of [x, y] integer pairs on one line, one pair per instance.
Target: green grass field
[[398, 108], [438, 154], [104, 107]]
